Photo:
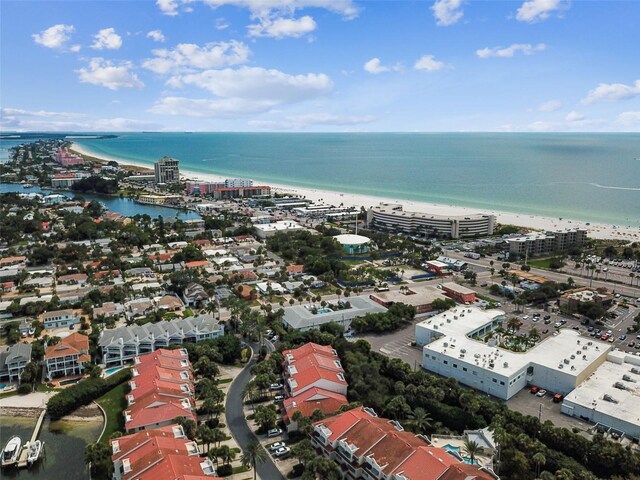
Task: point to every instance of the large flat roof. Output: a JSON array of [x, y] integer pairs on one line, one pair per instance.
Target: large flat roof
[[298, 316], [590, 394], [396, 210], [567, 352], [421, 296]]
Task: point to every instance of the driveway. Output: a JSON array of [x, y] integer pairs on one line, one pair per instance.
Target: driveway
[[237, 423]]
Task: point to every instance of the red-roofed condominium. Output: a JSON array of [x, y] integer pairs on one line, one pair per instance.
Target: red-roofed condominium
[[159, 454], [368, 447], [314, 380], [161, 390]]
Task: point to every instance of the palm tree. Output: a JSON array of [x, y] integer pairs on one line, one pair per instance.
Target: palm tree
[[420, 419], [252, 455], [540, 460], [471, 449]]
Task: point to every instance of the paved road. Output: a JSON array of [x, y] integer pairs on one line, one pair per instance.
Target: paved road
[[238, 424]]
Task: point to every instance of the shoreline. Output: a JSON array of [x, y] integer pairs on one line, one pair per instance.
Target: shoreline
[[536, 222]]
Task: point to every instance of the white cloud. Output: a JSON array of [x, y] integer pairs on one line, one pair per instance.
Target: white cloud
[[447, 12], [221, 24], [106, 74], [107, 38], [188, 56], [574, 116], [282, 27], [429, 64], [242, 91], [510, 51], [259, 84], [265, 8], [628, 119], [331, 119], [611, 92], [19, 112], [55, 36], [375, 67], [170, 7], [533, 11], [156, 36], [205, 107], [75, 48], [550, 106]]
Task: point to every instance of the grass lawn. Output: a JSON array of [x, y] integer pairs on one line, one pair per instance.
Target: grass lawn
[[353, 262], [113, 403], [225, 380], [540, 262], [188, 312]]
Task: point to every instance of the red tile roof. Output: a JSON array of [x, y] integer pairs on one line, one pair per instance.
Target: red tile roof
[[197, 264], [464, 471], [76, 343], [313, 364], [314, 399], [295, 268], [155, 409]]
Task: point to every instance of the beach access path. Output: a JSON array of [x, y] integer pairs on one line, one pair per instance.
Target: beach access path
[[32, 400]]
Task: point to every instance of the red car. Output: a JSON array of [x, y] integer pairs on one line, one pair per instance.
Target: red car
[[557, 398], [534, 389]]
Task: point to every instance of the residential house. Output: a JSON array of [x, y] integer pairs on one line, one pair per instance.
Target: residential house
[[195, 295], [13, 360], [313, 365], [60, 318], [67, 357], [73, 279], [108, 310]]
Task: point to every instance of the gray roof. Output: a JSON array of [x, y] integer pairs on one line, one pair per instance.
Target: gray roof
[[299, 317], [14, 353], [164, 330]]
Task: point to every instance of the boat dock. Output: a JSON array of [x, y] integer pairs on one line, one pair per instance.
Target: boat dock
[[21, 462]]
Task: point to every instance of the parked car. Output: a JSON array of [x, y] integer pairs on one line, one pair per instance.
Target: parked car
[[541, 393], [557, 398], [276, 386], [276, 446], [534, 389], [546, 330], [278, 398], [547, 321], [547, 317], [274, 432], [281, 452], [623, 337]]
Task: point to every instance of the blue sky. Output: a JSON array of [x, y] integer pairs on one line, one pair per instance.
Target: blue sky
[[320, 65]]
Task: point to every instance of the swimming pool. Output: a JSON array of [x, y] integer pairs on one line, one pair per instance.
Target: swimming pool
[[324, 310], [110, 371], [452, 448]]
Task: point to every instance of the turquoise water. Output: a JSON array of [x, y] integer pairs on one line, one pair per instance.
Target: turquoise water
[[324, 310], [451, 448], [111, 371], [591, 177]]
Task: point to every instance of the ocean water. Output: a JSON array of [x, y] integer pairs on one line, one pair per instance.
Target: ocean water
[[591, 177]]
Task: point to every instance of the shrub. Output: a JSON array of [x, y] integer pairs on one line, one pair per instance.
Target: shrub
[[83, 393], [24, 388], [224, 470]]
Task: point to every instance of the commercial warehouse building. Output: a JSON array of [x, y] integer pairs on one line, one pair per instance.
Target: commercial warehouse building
[[453, 347], [610, 396], [392, 217]]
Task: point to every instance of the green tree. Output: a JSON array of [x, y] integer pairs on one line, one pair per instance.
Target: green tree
[[540, 460], [470, 448], [252, 455], [266, 417], [98, 457], [420, 419]]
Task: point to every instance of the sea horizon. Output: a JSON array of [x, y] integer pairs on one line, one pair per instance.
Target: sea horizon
[[583, 176]]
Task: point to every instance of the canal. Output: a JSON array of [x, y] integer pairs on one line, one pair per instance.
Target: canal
[[122, 205], [64, 443]]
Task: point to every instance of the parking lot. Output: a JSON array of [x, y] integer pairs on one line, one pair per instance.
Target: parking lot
[[529, 404], [396, 345]]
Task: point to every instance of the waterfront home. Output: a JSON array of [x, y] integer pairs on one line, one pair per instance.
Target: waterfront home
[[163, 453], [67, 357], [123, 344], [13, 360], [60, 318]]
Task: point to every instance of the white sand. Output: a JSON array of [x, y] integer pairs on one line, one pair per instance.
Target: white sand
[[358, 200]]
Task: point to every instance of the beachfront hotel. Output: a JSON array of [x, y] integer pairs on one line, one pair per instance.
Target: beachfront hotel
[[167, 170], [392, 217], [206, 188], [548, 242]]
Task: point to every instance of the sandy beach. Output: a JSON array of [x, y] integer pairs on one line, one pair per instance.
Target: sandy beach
[[595, 230]]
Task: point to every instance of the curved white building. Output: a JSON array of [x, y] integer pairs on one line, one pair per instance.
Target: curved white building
[[353, 243], [393, 217]]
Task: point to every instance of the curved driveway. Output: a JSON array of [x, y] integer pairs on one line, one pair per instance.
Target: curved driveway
[[238, 424]]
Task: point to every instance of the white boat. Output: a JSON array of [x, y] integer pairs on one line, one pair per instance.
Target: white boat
[[11, 451], [34, 452]]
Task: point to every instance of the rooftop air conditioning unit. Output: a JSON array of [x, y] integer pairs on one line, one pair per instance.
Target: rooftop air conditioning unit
[[505, 364], [560, 366], [566, 361]]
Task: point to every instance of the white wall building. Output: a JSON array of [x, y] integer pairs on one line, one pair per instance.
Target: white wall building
[[167, 170], [392, 217], [453, 347], [268, 229], [610, 395]]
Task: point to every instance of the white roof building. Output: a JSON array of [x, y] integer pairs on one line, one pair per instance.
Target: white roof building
[[264, 230], [453, 347], [610, 395]]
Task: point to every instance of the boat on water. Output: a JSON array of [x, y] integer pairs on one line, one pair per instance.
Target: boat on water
[[27, 185], [34, 452], [11, 451]]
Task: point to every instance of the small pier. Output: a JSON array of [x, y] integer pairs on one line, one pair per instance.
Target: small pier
[[21, 462]]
